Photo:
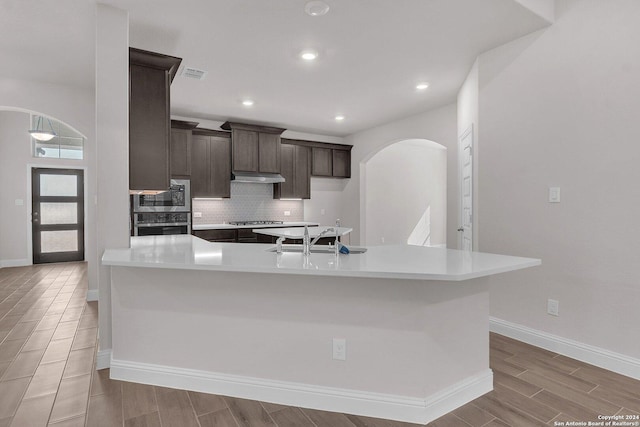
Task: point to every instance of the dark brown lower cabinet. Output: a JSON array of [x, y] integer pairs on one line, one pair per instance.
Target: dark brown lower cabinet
[[240, 235], [246, 235], [295, 165], [210, 164], [217, 235]]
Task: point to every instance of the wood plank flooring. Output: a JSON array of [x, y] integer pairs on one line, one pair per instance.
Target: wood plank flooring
[[47, 376]]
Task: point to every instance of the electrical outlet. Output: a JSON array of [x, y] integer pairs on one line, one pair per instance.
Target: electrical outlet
[[339, 349], [382, 240], [287, 213], [197, 214], [321, 211], [553, 307], [554, 194]]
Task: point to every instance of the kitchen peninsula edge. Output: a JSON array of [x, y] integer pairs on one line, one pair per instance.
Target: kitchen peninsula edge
[[238, 320]]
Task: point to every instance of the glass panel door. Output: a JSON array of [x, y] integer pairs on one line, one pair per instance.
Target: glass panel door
[[57, 215]]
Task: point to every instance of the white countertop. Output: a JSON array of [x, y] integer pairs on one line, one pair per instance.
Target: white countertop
[[233, 227], [298, 232], [397, 261]]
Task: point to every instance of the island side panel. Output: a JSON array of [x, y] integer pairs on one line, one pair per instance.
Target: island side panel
[[405, 338]]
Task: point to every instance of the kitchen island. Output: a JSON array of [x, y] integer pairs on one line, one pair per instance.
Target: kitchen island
[[398, 332]]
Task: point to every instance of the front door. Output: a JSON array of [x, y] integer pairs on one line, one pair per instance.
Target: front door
[[466, 190], [57, 215]]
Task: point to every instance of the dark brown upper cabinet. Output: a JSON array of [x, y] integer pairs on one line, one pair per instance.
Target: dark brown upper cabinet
[[150, 77], [269, 152], [180, 149], [322, 163], [330, 160], [295, 163], [341, 163], [210, 163], [254, 148]]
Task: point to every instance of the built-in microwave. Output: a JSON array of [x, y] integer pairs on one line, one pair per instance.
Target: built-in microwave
[[176, 199]]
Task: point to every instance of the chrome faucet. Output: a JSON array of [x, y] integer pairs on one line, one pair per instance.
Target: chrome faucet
[[307, 244], [279, 244], [336, 247]]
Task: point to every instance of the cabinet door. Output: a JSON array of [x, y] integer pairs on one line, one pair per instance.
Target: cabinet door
[[220, 162], [180, 153], [321, 162], [148, 128], [302, 178], [200, 166], [341, 163], [216, 235], [245, 150], [285, 190], [269, 153]]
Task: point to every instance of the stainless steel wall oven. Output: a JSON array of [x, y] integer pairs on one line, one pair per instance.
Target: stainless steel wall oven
[[168, 212]]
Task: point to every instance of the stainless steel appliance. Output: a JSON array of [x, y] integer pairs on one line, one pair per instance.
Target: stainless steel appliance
[[176, 199], [167, 212], [161, 223]]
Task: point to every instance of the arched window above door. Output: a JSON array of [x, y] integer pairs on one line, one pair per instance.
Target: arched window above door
[[66, 144]]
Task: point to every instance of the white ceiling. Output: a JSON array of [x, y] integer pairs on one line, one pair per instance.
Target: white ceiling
[[372, 53]]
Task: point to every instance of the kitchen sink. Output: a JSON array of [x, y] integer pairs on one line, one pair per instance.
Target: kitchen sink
[[318, 249]]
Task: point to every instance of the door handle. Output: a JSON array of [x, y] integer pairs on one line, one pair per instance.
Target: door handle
[[461, 229]]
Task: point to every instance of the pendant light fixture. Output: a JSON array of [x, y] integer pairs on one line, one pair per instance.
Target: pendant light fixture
[[316, 8], [40, 133]]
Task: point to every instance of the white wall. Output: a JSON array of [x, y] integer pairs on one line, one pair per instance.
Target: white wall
[[405, 189], [325, 205], [112, 133], [73, 106], [560, 108], [15, 153], [437, 125]]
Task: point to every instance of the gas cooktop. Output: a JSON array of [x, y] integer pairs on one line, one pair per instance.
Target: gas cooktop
[[254, 222]]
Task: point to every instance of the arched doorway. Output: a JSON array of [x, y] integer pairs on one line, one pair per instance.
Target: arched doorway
[[405, 194]]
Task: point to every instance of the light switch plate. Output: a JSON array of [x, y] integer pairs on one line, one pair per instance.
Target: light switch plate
[[554, 194], [287, 213]]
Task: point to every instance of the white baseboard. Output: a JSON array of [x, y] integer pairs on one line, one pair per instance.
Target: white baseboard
[[103, 359], [597, 356], [14, 262], [378, 405], [92, 295]]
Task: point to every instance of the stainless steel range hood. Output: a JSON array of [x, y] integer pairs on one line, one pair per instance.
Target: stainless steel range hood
[[257, 178]]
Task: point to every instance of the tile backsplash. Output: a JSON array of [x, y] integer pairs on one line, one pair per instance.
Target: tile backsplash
[[248, 202]]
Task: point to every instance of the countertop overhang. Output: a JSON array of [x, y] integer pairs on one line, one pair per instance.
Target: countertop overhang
[[393, 261]]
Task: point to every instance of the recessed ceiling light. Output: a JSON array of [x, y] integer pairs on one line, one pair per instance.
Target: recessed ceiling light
[[309, 55], [339, 118], [247, 102], [422, 86], [316, 8]]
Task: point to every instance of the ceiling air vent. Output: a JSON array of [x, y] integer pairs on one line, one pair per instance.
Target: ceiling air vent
[[193, 73]]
